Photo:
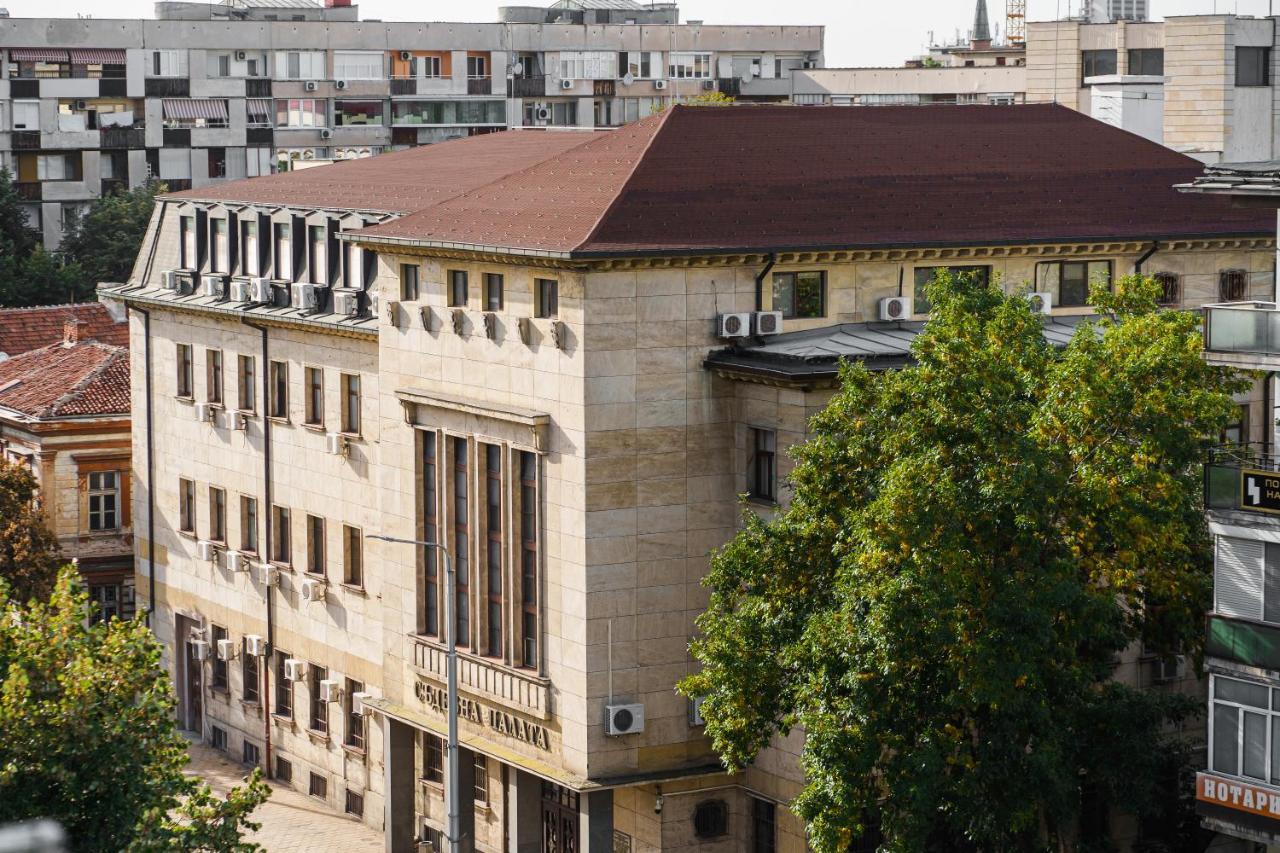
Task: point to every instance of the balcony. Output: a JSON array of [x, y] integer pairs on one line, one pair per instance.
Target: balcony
[[26, 140], [1243, 334], [1250, 643], [529, 87], [124, 137], [28, 190], [257, 88], [111, 186], [604, 88], [1242, 479], [479, 86], [168, 87], [259, 135], [115, 87], [404, 86]]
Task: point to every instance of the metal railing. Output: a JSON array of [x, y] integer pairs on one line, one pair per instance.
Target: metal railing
[[1243, 327], [1223, 470]]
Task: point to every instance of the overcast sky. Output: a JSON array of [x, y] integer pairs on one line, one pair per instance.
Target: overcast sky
[[859, 32]]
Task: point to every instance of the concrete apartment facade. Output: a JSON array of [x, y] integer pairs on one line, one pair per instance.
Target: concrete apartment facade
[[210, 92], [540, 381]]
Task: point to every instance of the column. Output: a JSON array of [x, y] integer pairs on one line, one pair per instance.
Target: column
[[399, 830], [596, 833], [524, 799]]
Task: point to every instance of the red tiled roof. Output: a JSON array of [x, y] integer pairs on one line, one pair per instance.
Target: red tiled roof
[[24, 329], [401, 181], [777, 177], [66, 380]]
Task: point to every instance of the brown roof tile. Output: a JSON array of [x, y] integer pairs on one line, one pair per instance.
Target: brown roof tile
[[67, 380], [24, 329]]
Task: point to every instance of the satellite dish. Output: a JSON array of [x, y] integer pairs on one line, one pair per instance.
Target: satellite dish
[[628, 79], [747, 78], [517, 68]]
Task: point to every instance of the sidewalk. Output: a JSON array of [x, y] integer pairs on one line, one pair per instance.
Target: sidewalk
[[290, 820]]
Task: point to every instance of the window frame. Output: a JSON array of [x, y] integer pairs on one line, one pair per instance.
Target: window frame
[[213, 377], [185, 363], [282, 701], [410, 282], [100, 494], [249, 524], [546, 298], [246, 384], [352, 556], [316, 550], [1270, 715], [1263, 68], [313, 399], [187, 506], [1141, 56], [250, 675], [218, 515], [762, 461], [432, 759], [492, 297], [278, 403], [429, 456], [1093, 63], [457, 289], [530, 561], [495, 550], [281, 539], [351, 404], [355, 734], [792, 311], [1044, 284], [460, 495], [920, 303], [318, 709]]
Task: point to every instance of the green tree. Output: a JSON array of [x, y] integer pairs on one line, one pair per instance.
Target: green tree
[[17, 237], [41, 278], [87, 735], [104, 242], [29, 553], [972, 541]]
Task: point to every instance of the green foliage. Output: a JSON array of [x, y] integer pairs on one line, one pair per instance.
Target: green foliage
[[104, 242], [17, 238], [708, 99], [29, 553], [87, 735], [972, 542]]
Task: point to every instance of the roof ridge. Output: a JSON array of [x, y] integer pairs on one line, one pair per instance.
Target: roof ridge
[[80, 388], [51, 307]]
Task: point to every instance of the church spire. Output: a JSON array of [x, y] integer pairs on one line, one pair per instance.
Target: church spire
[[981, 26]]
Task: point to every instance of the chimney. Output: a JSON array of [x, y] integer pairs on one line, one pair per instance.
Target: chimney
[[981, 38], [334, 4], [71, 331]]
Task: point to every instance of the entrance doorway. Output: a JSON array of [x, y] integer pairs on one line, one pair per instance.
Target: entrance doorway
[[559, 819], [189, 674]]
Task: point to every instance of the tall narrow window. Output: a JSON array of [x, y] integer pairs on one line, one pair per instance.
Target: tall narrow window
[[187, 232], [216, 633], [104, 500], [283, 251], [247, 391], [213, 376], [493, 546], [248, 524], [1253, 66], [319, 707], [351, 403], [317, 253], [217, 514], [280, 535], [763, 826], [432, 758], [529, 559], [186, 378], [279, 404], [355, 719], [430, 533], [492, 291], [314, 414], [250, 674], [762, 468], [315, 545], [457, 288], [218, 261], [409, 282], [462, 573], [481, 779], [187, 506], [546, 297], [249, 247], [352, 556], [284, 687]]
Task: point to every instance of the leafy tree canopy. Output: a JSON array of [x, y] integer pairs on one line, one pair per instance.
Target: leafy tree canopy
[[29, 553], [104, 242], [971, 543]]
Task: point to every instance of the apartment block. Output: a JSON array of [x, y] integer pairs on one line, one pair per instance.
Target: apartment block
[[223, 91]]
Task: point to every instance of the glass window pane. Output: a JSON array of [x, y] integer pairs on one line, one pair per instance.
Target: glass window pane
[[1255, 745], [1226, 732], [1240, 692]]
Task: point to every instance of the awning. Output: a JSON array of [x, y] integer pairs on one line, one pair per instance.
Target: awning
[[97, 56], [258, 108], [195, 108], [37, 54]]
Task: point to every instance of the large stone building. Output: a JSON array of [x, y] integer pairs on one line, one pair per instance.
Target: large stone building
[[556, 355], [209, 92]]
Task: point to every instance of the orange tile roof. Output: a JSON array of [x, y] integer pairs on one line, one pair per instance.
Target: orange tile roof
[[66, 380], [24, 329]]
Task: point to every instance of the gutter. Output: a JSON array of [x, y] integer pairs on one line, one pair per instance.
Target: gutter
[[770, 260], [265, 513], [151, 469], [1137, 265]]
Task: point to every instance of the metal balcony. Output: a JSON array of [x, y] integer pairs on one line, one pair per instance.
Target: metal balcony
[[479, 86], [1225, 473], [1250, 643], [529, 87], [1242, 333]]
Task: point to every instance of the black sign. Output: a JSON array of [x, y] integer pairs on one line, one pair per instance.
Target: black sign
[[1260, 491]]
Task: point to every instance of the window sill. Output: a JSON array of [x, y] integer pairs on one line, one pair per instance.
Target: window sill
[[215, 404], [188, 534], [283, 720], [247, 413], [185, 398], [283, 420], [320, 576], [438, 787], [768, 503], [284, 567], [252, 706], [352, 436], [221, 692], [313, 427], [357, 751], [317, 736], [355, 590]]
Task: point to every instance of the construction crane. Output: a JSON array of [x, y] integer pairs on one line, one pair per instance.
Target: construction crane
[[1015, 22]]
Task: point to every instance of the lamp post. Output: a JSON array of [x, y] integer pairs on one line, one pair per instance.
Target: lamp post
[[451, 793]]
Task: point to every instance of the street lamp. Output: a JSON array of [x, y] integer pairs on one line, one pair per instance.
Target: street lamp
[[452, 796]]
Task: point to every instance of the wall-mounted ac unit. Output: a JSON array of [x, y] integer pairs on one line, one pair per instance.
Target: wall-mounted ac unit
[[624, 719], [304, 296], [255, 645], [80, 105], [295, 669], [895, 308], [330, 690], [695, 711], [708, 85], [241, 290], [226, 649], [206, 550], [346, 303], [393, 313], [543, 113], [184, 283], [235, 420], [203, 412], [768, 322], [312, 589], [169, 279], [214, 285], [405, 55], [260, 290], [340, 84], [659, 84], [237, 562], [566, 84], [1041, 301], [268, 575], [358, 703], [733, 325], [199, 649], [559, 334], [326, 133], [309, 86], [336, 444]]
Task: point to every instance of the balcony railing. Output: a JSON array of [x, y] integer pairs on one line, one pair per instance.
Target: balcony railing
[[26, 140], [529, 87], [29, 190], [479, 86], [1225, 472], [124, 137], [1250, 643], [1242, 327]]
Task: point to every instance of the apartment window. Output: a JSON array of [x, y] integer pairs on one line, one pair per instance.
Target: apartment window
[[218, 735], [1069, 281], [800, 294], [1253, 66], [317, 253], [354, 804], [58, 167], [462, 573], [546, 302], [432, 758], [248, 524], [353, 271], [300, 64], [1247, 579], [696, 66], [186, 380], [357, 65], [216, 633], [319, 707], [430, 533], [1232, 285], [213, 376], [217, 514], [640, 64], [1147, 61], [492, 291], [166, 63], [424, 66], [26, 115], [1237, 431], [351, 403], [249, 247], [318, 787], [493, 546], [314, 414], [358, 113], [187, 242], [457, 288], [1244, 731], [280, 547], [187, 506], [588, 65], [246, 385], [409, 282], [283, 251], [1170, 288], [222, 65], [762, 469], [477, 67], [529, 559], [250, 674], [104, 500], [924, 276], [252, 756], [315, 545], [284, 689], [279, 404], [1096, 63], [355, 719], [352, 556], [764, 832], [481, 779], [218, 245], [284, 770]]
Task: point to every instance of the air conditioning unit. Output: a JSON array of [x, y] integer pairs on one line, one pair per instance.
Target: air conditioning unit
[[566, 84], [559, 334], [1041, 302], [241, 290], [312, 589], [80, 105], [255, 646], [304, 296], [326, 133], [206, 550], [295, 669], [346, 302], [768, 322], [268, 575], [235, 420], [169, 280], [184, 284], [330, 690], [358, 701], [340, 84], [695, 711], [543, 113], [1169, 669], [309, 86], [895, 308], [733, 325], [260, 290], [809, 63], [427, 316], [393, 313], [203, 412], [237, 562], [490, 325], [226, 650], [659, 84], [240, 56], [199, 649], [708, 85], [405, 55], [624, 719], [457, 319], [214, 285], [336, 444]]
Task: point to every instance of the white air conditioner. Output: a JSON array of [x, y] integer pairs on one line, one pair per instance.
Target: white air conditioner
[[309, 86], [336, 444], [695, 711], [895, 308], [708, 85], [326, 133], [240, 56], [235, 420], [340, 84], [237, 562], [304, 296], [206, 550], [346, 302], [184, 283], [295, 669], [169, 280], [659, 84], [214, 285], [809, 63], [312, 589], [768, 322], [393, 313], [80, 105], [543, 113], [226, 649], [268, 575], [199, 649], [241, 291], [1041, 302], [255, 646], [405, 56], [203, 412], [624, 719], [358, 703], [260, 290], [566, 84], [330, 690], [733, 325]]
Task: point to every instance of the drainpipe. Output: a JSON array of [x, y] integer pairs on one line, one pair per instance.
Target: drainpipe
[[1137, 265], [266, 545], [1268, 412], [151, 468], [770, 259]]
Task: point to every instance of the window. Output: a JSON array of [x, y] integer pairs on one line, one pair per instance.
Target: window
[[319, 707], [314, 408], [216, 633], [1237, 431], [279, 407], [640, 64], [315, 545], [1232, 285], [353, 272], [1170, 290], [218, 245], [546, 302], [317, 253], [104, 500], [354, 804], [218, 735], [448, 112], [529, 559], [481, 779], [461, 511], [763, 826], [924, 276], [283, 251], [280, 535], [213, 376], [800, 294], [301, 112], [1247, 579], [357, 113], [252, 755], [352, 556], [430, 620], [1147, 61], [409, 282], [493, 546], [357, 65], [26, 115], [217, 514], [1096, 63], [492, 291], [1253, 66], [284, 769], [351, 403], [695, 66], [710, 819], [1069, 281], [248, 524], [1244, 730], [167, 63], [58, 167], [477, 67], [300, 65], [588, 65], [250, 674], [457, 289], [762, 469], [284, 688], [187, 243], [318, 787], [424, 66], [355, 719], [249, 247], [187, 506], [432, 758], [186, 381]]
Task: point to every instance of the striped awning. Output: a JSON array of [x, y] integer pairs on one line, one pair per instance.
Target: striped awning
[[97, 56], [190, 108], [37, 54], [258, 108]]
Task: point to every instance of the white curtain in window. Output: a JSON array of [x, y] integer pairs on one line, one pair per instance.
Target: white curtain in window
[[357, 65]]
